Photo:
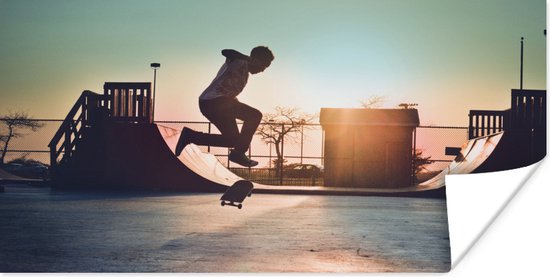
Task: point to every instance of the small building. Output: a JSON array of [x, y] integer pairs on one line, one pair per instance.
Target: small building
[[368, 147]]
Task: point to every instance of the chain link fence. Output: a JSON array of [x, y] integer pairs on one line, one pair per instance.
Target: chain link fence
[[305, 149], [30, 145], [432, 141]]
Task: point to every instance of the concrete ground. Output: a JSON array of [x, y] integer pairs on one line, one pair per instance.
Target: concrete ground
[[45, 231]]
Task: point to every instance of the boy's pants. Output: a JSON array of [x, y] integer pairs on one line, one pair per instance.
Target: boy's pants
[[223, 112]]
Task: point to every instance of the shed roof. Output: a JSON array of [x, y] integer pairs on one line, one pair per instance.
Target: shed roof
[[370, 117]]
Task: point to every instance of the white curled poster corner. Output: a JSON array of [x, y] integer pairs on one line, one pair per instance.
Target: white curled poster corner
[[474, 201]]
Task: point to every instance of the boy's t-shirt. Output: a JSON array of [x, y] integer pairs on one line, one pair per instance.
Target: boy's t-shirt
[[229, 82]]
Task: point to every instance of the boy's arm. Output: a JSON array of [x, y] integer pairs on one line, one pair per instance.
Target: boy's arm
[[231, 55]]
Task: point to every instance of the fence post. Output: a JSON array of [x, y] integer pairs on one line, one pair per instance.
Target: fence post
[[209, 132], [228, 162], [414, 158], [302, 144], [250, 156], [470, 126], [281, 161]]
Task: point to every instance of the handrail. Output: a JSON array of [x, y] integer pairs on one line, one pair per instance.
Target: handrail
[[528, 110], [486, 122], [129, 102], [71, 128], [123, 101], [67, 119]]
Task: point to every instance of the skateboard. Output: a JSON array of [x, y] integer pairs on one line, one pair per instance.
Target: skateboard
[[235, 194]]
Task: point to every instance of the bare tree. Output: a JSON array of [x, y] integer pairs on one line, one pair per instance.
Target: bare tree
[[285, 125], [373, 102], [407, 106], [15, 122]]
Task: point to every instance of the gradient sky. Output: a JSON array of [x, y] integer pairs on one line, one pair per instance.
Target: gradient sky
[[449, 56]]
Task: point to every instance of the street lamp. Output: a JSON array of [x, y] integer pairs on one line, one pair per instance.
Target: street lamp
[[521, 67], [154, 66]]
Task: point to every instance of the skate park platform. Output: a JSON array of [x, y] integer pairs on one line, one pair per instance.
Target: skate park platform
[[110, 142]]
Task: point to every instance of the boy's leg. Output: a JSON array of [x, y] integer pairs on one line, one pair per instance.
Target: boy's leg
[[223, 114], [251, 118], [225, 117], [184, 140], [219, 112]]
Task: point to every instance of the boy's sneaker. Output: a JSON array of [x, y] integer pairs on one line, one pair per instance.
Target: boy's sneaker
[[242, 159], [185, 138]]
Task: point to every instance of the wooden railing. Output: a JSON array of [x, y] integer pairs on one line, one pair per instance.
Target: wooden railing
[[122, 102], [129, 102], [70, 131], [528, 109], [527, 113], [483, 123]]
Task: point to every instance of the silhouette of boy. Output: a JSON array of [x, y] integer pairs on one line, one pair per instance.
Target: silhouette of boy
[[219, 104]]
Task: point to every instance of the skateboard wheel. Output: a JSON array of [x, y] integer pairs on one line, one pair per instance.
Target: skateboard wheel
[[240, 206], [223, 203], [250, 194]]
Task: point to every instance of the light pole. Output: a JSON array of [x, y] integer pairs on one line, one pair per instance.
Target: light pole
[[154, 66], [521, 67]]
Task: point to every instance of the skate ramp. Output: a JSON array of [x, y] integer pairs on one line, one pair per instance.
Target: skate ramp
[[204, 164], [211, 170], [121, 156], [474, 153]]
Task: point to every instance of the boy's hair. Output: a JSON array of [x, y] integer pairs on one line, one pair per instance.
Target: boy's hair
[[262, 53]]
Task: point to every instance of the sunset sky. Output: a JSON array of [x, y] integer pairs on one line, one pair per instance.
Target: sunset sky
[[449, 56]]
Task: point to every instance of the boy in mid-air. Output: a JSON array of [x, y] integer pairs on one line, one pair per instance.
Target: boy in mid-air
[[219, 104]]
